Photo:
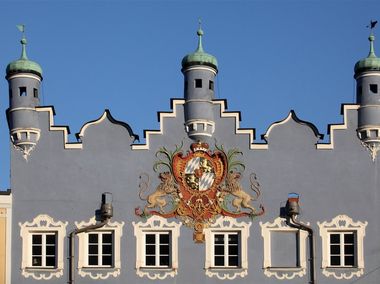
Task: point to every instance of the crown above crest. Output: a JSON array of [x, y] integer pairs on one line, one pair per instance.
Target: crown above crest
[[200, 146]]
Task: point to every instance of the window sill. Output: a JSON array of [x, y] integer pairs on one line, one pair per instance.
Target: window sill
[[224, 273]]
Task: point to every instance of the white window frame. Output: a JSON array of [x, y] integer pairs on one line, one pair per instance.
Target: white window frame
[[97, 272], [43, 249], [279, 226], [342, 224], [224, 225], [100, 246], [156, 224], [42, 224], [341, 248], [226, 244], [157, 254]]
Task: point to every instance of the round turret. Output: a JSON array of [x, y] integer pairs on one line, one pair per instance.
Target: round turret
[[199, 69], [367, 75], [24, 78]]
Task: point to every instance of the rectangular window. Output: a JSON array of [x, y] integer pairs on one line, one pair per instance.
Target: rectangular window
[[10, 93], [373, 88], [198, 83], [44, 250], [226, 249], [157, 249], [100, 249], [22, 91], [211, 85], [342, 249], [35, 93]]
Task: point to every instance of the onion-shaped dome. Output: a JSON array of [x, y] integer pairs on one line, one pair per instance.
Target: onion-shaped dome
[[199, 57], [23, 64], [371, 62]]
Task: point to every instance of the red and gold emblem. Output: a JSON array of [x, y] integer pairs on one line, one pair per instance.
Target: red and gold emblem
[[198, 187]]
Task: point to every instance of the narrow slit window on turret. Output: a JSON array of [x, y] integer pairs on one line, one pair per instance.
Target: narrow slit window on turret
[[10, 93], [22, 91], [35, 93], [359, 90], [198, 83], [211, 85], [373, 88]]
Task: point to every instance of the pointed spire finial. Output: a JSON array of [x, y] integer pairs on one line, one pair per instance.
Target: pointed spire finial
[[371, 39], [200, 34], [23, 41]]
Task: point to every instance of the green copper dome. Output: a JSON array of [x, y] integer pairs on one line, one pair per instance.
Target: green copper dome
[[371, 62], [24, 64], [199, 57]]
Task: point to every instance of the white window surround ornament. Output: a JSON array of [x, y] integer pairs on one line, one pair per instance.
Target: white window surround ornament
[[156, 224], [342, 223], [100, 272], [281, 273], [227, 224], [42, 224]]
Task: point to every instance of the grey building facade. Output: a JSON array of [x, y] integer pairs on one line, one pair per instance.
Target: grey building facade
[[203, 200]]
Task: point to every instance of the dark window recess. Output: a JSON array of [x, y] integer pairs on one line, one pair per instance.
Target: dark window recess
[[359, 90], [373, 88], [211, 85], [198, 83], [10, 93], [22, 91], [186, 84], [35, 93]]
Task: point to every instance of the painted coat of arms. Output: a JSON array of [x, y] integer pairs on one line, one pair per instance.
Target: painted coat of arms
[[198, 186]]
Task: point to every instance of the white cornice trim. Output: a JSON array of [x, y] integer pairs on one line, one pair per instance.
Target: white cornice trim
[[25, 75], [198, 67], [63, 129], [334, 127], [162, 116]]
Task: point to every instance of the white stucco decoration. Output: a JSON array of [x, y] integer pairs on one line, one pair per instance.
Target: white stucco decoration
[[156, 224], [342, 223], [102, 272], [282, 273], [227, 224], [42, 223]]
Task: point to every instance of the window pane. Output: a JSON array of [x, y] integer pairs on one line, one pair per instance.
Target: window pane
[[219, 239], [164, 249], [164, 260], [335, 260], [233, 239], [233, 250], [334, 238], [93, 260], [93, 249], [349, 249], [50, 261], [50, 250], [150, 249], [373, 88], [164, 238], [107, 260], [349, 260], [50, 239], [335, 249], [37, 250], [150, 239], [107, 238], [233, 261], [37, 239], [348, 238], [198, 83], [92, 238], [219, 260], [211, 85], [219, 250], [150, 260], [37, 261], [107, 249]]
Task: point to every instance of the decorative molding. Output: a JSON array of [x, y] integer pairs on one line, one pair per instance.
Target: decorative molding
[[97, 273], [281, 273], [342, 223], [42, 223], [226, 224], [156, 223], [25, 75], [335, 127]]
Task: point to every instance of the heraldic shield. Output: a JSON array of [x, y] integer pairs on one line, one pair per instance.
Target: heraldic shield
[[198, 186]]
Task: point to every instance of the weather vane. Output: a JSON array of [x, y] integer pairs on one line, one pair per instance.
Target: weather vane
[[21, 28], [372, 25]]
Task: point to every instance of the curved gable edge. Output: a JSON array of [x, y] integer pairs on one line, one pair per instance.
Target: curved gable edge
[[106, 115], [66, 130], [292, 116]]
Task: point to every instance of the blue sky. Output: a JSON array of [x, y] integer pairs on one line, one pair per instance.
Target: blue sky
[[273, 56]]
